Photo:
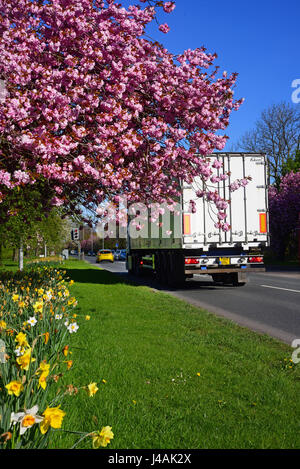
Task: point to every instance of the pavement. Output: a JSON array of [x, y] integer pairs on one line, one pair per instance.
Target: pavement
[[269, 303]]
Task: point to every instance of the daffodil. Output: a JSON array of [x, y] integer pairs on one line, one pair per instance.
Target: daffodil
[[14, 387], [21, 339], [92, 389], [2, 325], [26, 419], [25, 359], [73, 327], [102, 437], [43, 372], [38, 306], [32, 321], [53, 417]]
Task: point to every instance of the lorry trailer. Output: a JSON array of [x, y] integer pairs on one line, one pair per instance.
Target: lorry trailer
[[186, 242]]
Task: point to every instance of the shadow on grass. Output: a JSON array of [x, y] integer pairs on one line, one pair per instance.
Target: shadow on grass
[[102, 277], [105, 277]]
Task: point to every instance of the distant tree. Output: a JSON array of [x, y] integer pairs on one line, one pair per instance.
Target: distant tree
[[28, 223], [276, 133], [292, 164]]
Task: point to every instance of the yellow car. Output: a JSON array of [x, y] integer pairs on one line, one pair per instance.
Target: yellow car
[[105, 255]]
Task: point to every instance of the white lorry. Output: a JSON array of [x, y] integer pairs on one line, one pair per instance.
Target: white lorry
[[197, 246]]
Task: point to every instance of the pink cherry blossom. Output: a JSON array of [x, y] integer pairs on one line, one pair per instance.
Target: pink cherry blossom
[[98, 110], [164, 28]]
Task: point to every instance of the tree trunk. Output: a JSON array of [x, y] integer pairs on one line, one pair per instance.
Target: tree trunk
[[21, 256], [15, 255]]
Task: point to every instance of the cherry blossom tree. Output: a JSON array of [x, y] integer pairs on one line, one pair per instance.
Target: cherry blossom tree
[[284, 205], [95, 110]]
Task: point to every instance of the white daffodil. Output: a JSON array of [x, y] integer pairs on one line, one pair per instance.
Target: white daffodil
[[73, 327], [26, 419], [32, 321], [48, 295], [19, 351], [58, 316]]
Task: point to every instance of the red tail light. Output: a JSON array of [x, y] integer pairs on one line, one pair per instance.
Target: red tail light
[[256, 259], [190, 260], [141, 262]]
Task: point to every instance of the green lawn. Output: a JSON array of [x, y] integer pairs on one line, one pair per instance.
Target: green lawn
[[150, 347]]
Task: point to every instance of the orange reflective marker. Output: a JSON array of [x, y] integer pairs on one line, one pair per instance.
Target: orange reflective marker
[[263, 222]]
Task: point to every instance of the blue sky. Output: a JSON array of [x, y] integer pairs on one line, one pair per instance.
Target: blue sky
[[257, 39]]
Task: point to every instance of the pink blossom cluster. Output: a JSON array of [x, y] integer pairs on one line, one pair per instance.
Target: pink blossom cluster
[[284, 208], [97, 110]]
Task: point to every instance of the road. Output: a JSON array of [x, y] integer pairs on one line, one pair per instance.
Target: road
[[269, 303]]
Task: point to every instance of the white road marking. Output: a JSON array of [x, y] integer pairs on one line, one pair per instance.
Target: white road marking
[[279, 288]]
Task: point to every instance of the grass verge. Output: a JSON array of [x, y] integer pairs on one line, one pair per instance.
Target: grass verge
[[175, 376]]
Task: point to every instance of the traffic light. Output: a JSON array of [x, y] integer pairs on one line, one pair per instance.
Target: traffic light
[[75, 234]]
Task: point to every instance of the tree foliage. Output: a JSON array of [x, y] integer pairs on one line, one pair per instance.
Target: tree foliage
[[95, 109], [284, 206]]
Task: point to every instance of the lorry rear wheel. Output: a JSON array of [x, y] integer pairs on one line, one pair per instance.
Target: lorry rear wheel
[[136, 265], [225, 279], [239, 279], [164, 269], [176, 275], [158, 267]]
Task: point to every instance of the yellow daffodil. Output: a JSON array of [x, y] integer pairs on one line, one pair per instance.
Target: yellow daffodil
[[92, 389], [71, 301], [38, 306], [25, 359], [69, 363], [15, 298], [43, 371], [2, 325], [43, 381], [14, 387], [87, 317], [21, 339], [53, 417], [102, 437]]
